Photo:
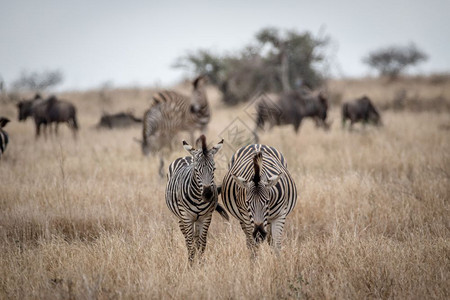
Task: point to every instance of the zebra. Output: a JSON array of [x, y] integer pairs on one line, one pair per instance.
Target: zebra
[[171, 113], [192, 195], [4, 139], [259, 191]]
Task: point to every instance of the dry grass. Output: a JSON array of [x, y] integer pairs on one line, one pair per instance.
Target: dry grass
[[87, 219], [419, 93]]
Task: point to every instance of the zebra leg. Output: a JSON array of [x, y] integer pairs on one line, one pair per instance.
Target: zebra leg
[[276, 230], [251, 245], [188, 231], [191, 135], [161, 167], [203, 227]]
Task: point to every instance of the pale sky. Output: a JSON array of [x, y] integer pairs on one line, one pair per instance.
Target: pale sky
[[136, 42]]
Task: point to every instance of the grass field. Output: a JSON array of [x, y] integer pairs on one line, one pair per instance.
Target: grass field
[[87, 218]]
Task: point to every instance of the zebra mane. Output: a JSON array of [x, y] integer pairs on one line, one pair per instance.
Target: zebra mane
[[204, 147], [162, 97], [257, 160]]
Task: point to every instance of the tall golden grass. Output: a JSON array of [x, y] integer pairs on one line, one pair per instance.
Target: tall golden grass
[[87, 218]]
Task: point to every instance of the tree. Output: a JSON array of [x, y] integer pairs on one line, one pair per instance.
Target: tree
[[37, 81], [275, 61], [392, 61], [296, 55]]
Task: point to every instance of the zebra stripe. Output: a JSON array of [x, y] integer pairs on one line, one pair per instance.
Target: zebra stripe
[[192, 196], [259, 191], [4, 139], [171, 113]]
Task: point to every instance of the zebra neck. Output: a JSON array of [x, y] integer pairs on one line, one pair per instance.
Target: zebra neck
[[193, 182]]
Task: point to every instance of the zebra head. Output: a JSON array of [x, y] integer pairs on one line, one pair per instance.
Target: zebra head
[[204, 166], [257, 197]]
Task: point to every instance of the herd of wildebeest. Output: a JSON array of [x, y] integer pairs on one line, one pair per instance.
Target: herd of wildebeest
[[285, 109], [257, 189]]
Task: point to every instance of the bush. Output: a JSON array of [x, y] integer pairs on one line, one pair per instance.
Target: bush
[[37, 81]]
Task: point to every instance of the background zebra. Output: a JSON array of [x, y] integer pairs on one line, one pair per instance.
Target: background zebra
[[171, 113], [3, 135], [192, 196], [259, 191]]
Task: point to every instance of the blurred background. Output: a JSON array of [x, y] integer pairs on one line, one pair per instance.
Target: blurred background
[[139, 43], [83, 215]]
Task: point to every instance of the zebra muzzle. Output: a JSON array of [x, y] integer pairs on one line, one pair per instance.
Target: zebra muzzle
[[259, 233], [208, 193]]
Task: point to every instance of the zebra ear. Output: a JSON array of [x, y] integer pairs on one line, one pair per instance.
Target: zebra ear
[[216, 148], [240, 181], [273, 180], [188, 148]]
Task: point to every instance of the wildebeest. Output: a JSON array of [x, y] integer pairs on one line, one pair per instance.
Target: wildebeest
[[361, 109], [118, 120], [292, 108], [48, 111], [4, 139]]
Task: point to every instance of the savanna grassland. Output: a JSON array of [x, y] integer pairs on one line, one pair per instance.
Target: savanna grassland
[[87, 218]]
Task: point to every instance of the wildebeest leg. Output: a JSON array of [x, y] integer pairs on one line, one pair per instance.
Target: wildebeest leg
[[255, 134], [297, 124], [343, 122], [351, 125], [38, 129], [56, 129]]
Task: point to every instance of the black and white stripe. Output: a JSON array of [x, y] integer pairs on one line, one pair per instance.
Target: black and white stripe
[[191, 194], [171, 113], [4, 139], [259, 191]]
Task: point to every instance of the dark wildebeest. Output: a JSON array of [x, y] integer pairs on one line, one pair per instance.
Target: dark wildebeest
[[360, 109], [47, 111], [292, 108], [3, 135], [119, 120]]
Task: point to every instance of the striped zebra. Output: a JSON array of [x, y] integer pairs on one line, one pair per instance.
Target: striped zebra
[[171, 113], [3, 135], [192, 195], [259, 191]]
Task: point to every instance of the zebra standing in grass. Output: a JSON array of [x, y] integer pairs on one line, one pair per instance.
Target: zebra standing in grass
[[192, 195], [171, 113], [3, 135], [259, 191]]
